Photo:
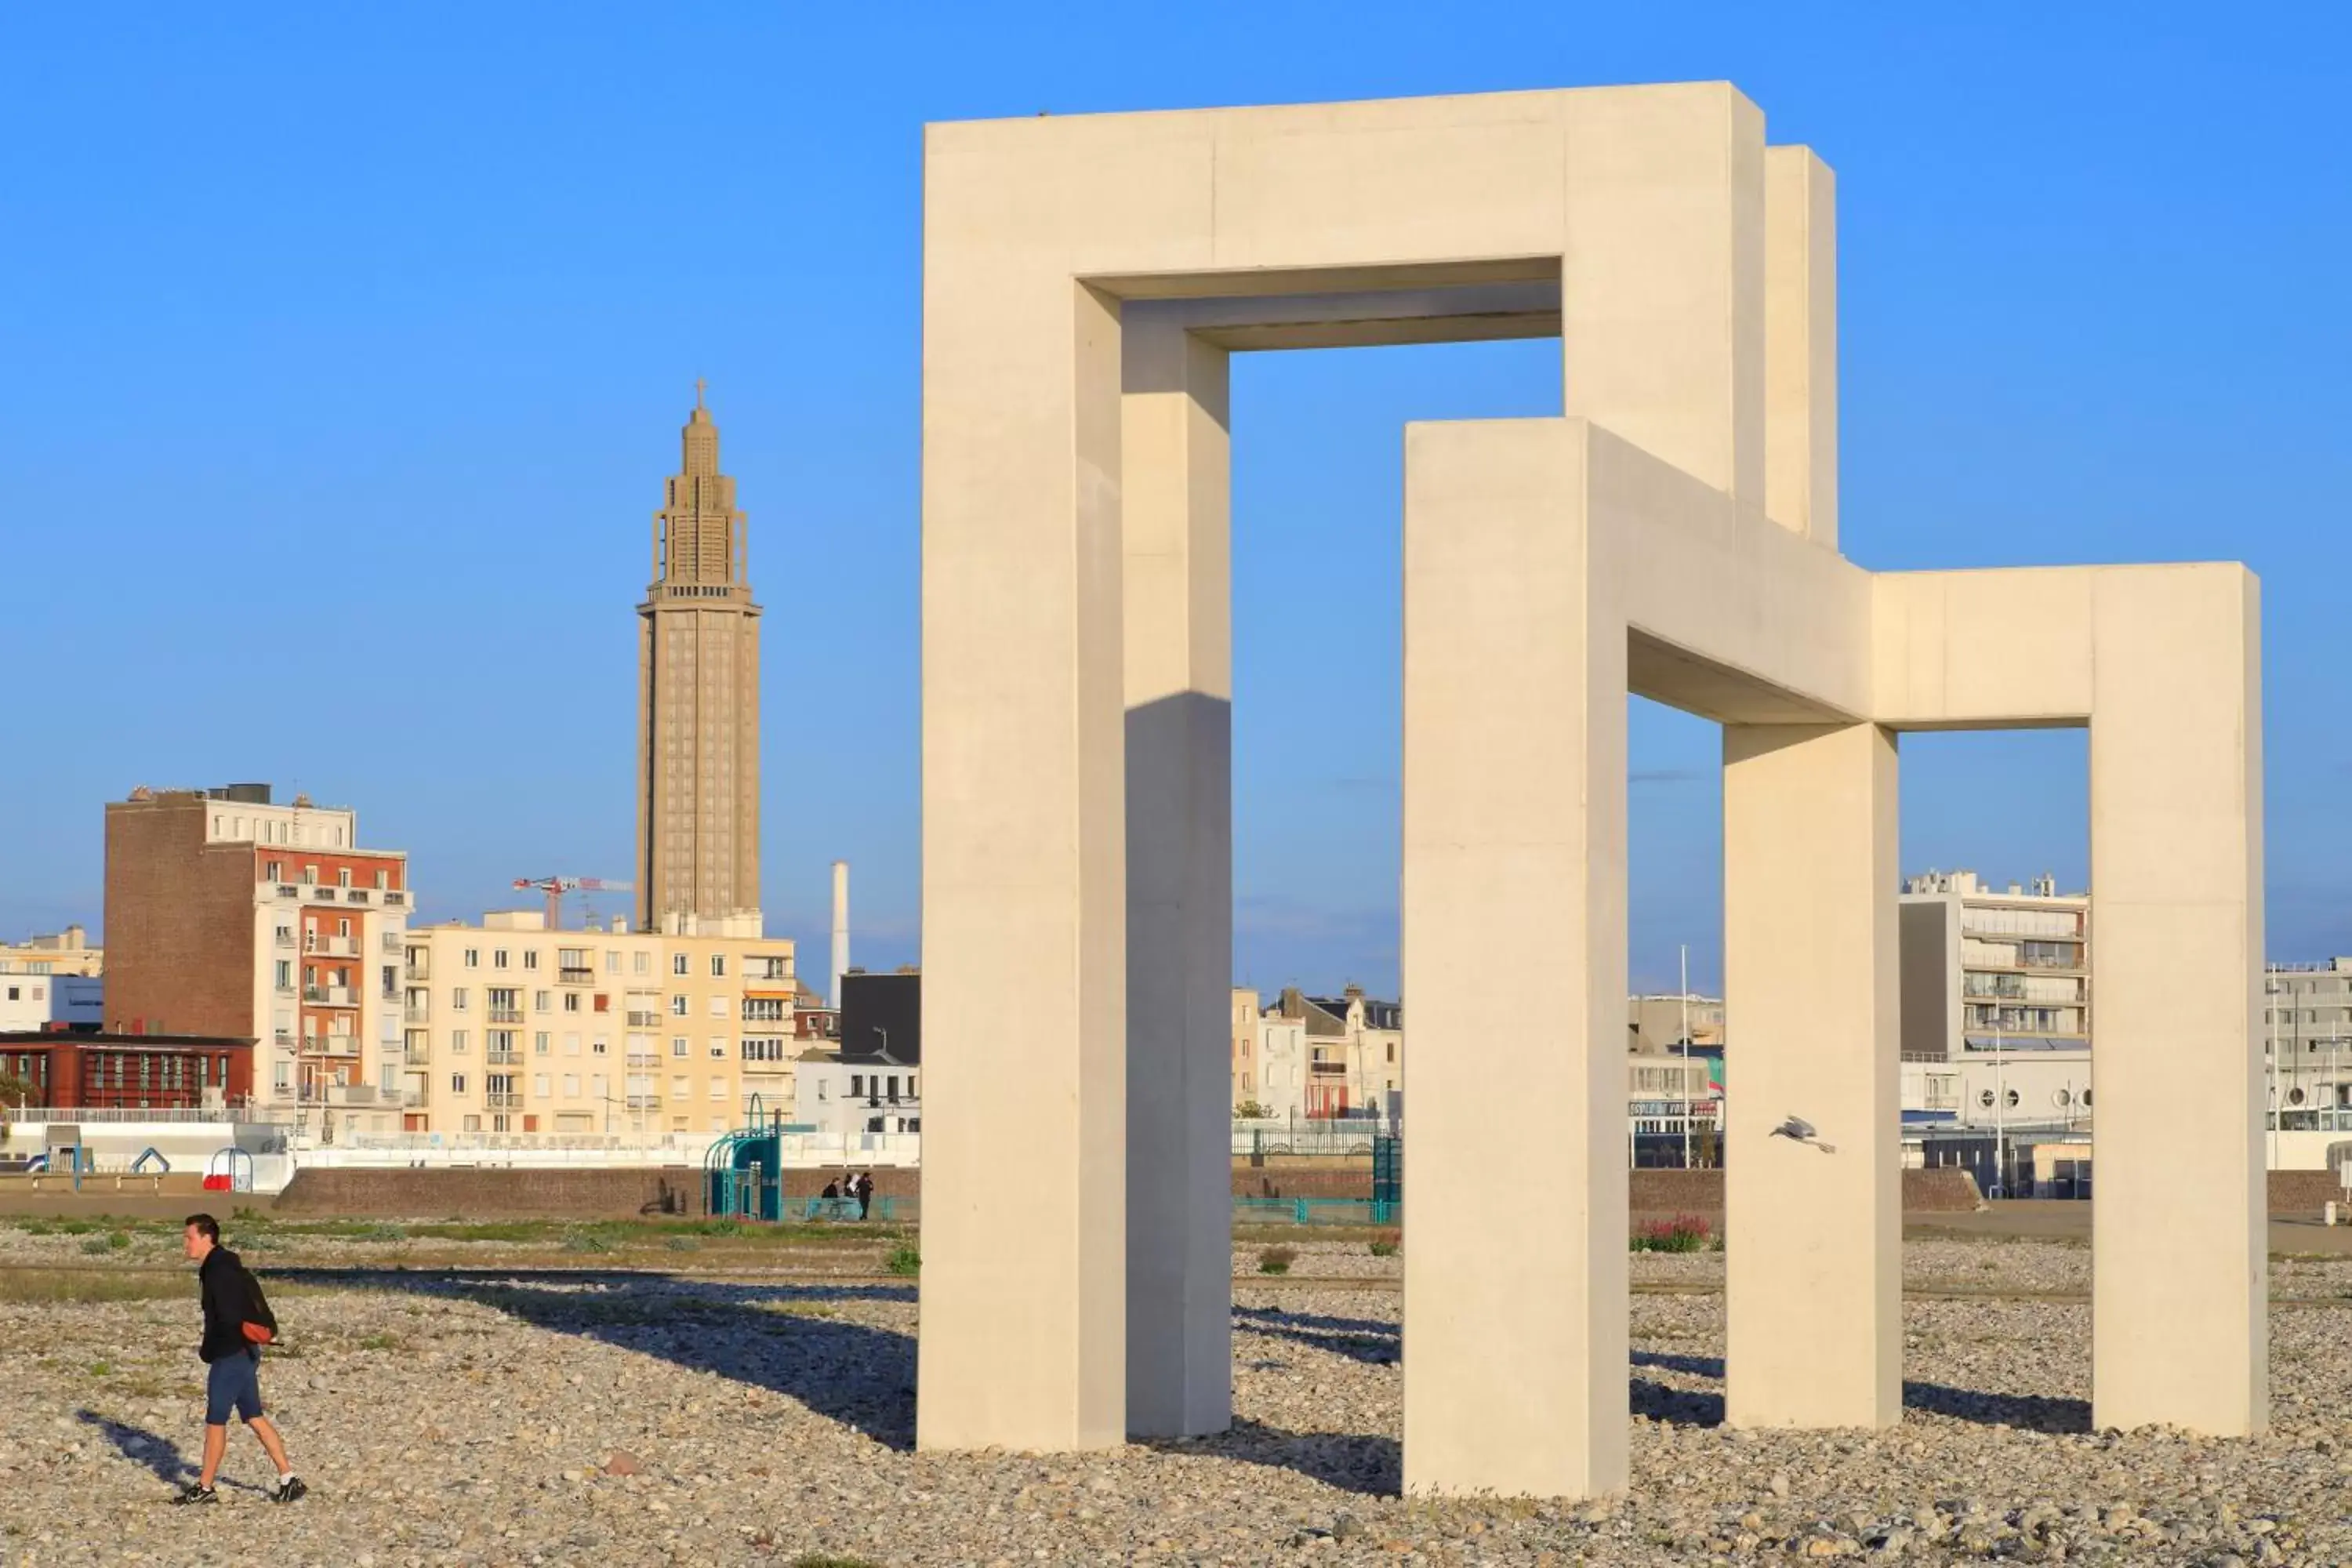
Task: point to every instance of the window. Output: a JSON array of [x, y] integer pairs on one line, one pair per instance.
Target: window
[[538, 1001], [344, 927], [677, 963], [539, 1043], [275, 871], [457, 1083], [678, 1006], [457, 1041], [596, 1046], [382, 880], [677, 1045], [473, 958], [571, 1045], [820, 1095], [531, 960], [613, 962], [641, 964], [458, 999], [284, 1077], [718, 966], [856, 1084], [309, 874], [343, 877], [764, 1048], [677, 1089], [764, 1010], [285, 977], [539, 1085], [717, 1088], [719, 1007], [571, 1085], [596, 1086], [498, 958]]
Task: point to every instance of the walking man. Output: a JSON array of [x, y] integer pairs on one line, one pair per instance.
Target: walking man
[[865, 1195], [233, 1357]]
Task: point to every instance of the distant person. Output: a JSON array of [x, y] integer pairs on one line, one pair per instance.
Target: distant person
[[865, 1195], [832, 1192], [237, 1322]]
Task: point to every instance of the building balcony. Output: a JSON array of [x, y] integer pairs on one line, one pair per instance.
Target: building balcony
[[415, 1013], [507, 1102], [506, 1058], [355, 895], [642, 1101], [393, 944], [506, 1014], [285, 988], [331, 1045], [331, 946], [415, 1056], [284, 938], [411, 1099], [330, 995], [1328, 1069], [339, 1094], [289, 891], [284, 1039], [395, 899], [418, 973], [575, 976], [317, 894], [644, 1021]]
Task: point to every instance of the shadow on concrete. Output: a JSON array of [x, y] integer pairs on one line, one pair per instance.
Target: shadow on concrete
[[765, 1336]]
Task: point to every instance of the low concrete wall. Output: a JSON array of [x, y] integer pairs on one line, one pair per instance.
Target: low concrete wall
[[491, 1195], [2304, 1191]]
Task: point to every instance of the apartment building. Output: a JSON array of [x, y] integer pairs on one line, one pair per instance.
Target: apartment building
[[1318, 1055], [67, 952], [2307, 1038], [1654, 1023], [509, 1027], [230, 916], [1985, 968]]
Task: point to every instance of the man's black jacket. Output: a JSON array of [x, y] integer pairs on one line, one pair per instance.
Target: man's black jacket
[[228, 1305]]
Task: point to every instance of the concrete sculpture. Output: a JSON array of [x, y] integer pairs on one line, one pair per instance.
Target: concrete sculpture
[[1674, 534]]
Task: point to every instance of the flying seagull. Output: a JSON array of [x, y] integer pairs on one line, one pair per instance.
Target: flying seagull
[[1797, 1130]]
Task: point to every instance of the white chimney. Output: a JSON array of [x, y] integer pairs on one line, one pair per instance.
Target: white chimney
[[840, 926]]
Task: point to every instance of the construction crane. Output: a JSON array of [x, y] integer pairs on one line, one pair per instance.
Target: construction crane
[[556, 887]]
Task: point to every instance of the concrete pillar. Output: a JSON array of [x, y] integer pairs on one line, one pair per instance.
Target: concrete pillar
[[2179, 1288], [1024, 871], [1514, 909], [1813, 1271], [1800, 343], [1176, 485]]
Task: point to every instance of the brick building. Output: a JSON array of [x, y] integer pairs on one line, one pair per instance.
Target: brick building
[[229, 916], [70, 1072]]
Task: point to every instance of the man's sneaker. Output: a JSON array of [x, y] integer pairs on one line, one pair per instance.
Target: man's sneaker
[[195, 1491], [291, 1489]]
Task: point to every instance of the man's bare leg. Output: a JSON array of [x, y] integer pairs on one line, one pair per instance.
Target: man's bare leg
[[215, 1446], [269, 1441]]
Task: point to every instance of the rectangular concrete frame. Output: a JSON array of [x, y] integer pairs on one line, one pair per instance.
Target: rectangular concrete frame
[[1674, 534]]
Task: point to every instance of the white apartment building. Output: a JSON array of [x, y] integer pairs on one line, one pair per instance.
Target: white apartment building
[[508, 1027], [54, 953], [2307, 1042], [1985, 968]]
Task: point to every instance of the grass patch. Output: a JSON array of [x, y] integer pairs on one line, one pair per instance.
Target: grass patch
[[95, 1245], [101, 1368], [827, 1560], [684, 1244], [116, 1240], [1386, 1245], [379, 1342], [1683, 1233], [904, 1259], [586, 1241], [1276, 1259]]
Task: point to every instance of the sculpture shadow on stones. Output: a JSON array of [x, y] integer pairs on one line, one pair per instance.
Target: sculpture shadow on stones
[[854, 1373]]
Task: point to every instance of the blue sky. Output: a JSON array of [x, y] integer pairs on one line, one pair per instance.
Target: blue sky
[[350, 346]]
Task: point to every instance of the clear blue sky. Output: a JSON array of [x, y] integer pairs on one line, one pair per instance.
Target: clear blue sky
[[349, 346]]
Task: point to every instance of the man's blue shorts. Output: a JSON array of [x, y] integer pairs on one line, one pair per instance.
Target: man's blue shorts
[[233, 1384]]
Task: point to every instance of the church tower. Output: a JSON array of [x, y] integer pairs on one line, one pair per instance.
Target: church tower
[[698, 707]]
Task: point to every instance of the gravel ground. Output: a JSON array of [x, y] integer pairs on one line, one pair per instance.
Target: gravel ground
[[677, 1420]]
